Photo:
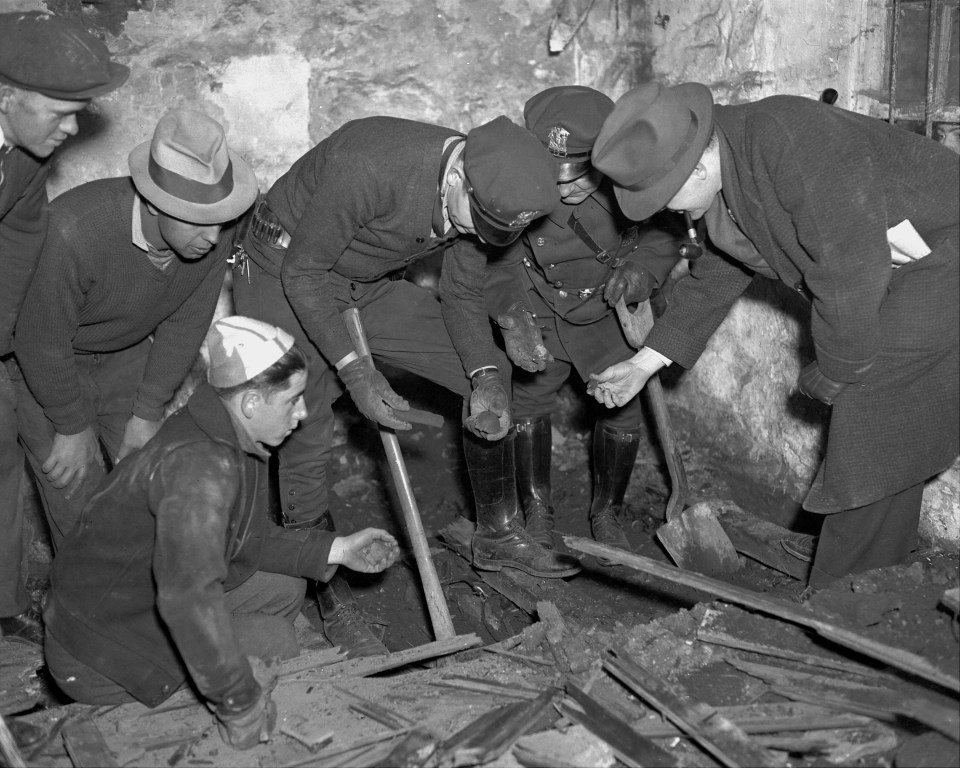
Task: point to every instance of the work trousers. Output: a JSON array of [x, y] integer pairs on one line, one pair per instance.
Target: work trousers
[[873, 536], [14, 598], [262, 609], [404, 328], [108, 385]]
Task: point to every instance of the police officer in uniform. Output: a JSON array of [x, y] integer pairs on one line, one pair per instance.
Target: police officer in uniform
[[553, 296]]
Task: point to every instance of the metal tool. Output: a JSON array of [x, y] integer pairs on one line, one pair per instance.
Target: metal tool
[[436, 603], [694, 538]]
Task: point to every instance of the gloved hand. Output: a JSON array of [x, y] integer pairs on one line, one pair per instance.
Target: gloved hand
[[814, 384], [631, 281], [243, 728], [372, 393], [489, 406], [522, 338]]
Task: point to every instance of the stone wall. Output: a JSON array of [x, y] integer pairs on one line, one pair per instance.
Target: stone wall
[[282, 74]]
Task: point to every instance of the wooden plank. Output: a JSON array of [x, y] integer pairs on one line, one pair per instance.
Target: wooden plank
[[311, 660], [86, 746], [704, 724], [759, 540], [487, 686], [371, 665], [896, 657], [754, 719], [630, 747]]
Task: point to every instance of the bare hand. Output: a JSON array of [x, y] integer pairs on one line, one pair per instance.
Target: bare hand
[[135, 435], [70, 459], [618, 384], [368, 551]]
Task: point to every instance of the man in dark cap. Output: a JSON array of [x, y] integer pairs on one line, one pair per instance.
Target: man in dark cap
[[125, 290], [352, 213], [50, 69], [175, 572], [863, 219], [553, 296]]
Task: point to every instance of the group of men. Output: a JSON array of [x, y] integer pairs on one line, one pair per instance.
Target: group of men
[[167, 570]]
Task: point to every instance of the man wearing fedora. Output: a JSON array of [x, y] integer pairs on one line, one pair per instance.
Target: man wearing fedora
[[553, 296], [175, 572], [863, 219], [50, 69], [334, 232], [124, 293]]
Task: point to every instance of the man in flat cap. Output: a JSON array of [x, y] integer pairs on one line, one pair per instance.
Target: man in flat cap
[[863, 219], [176, 573], [553, 296], [50, 69], [124, 293], [375, 196]]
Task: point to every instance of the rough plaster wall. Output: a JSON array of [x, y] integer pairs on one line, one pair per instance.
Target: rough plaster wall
[[740, 398], [282, 74]]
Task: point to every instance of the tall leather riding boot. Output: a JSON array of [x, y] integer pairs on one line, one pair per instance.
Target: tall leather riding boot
[[500, 541], [533, 444], [343, 623], [614, 454]]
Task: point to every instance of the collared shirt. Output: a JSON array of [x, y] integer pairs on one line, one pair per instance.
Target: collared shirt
[[442, 185], [159, 258]]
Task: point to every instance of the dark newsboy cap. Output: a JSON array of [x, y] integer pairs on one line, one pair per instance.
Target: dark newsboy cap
[[55, 56], [567, 119], [511, 179]]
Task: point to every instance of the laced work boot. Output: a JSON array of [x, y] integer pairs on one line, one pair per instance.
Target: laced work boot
[[532, 449], [500, 541], [344, 625], [614, 454]]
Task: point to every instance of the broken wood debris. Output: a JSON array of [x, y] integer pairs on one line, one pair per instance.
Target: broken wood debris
[[486, 686], [85, 744], [373, 710], [896, 657], [307, 732], [631, 747], [701, 722]]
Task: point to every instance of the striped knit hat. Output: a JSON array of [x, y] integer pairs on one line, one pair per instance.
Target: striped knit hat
[[241, 347]]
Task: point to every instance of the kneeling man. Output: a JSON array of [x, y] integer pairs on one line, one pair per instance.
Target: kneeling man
[[175, 572]]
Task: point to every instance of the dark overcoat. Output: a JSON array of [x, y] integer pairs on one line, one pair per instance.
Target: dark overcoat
[[816, 188]]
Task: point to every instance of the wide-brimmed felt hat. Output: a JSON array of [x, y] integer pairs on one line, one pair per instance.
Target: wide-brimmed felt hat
[[55, 56], [567, 120], [651, 142], [187, 171], [511, 180], [241, 347]]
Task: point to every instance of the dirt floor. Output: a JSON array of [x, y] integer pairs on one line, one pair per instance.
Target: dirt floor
[[545, 649]]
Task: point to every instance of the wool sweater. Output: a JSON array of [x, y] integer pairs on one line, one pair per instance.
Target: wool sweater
[[95, 292], [23, 224]]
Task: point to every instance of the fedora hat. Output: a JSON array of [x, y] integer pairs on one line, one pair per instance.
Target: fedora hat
[[187, 171], [651, 142]]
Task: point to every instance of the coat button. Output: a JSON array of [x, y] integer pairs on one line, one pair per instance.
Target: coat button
[[800, 287], [165, 688], [558, 284], [541, 241], [419, 239], [353, 286], [291, 507], [551, 266], [291, 492]]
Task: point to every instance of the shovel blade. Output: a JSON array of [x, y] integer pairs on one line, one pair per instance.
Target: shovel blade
[[696, 541]]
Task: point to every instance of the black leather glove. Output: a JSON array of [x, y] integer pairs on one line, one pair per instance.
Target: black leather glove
[[630, 281], [247, 719], [814, 384], [489, 406], [372, 393], [522, 338]]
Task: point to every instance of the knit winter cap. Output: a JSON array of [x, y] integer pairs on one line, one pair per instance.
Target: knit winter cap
[[241, 347]]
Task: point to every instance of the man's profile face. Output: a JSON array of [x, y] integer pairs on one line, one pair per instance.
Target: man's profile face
[[37, 123], [458, 206], [273, 417], [189, 241]]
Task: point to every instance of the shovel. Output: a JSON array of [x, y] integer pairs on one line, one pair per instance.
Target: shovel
[[693, 538]]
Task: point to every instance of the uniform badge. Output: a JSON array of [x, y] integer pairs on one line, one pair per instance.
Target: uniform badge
[[523, 218], [557, 141]]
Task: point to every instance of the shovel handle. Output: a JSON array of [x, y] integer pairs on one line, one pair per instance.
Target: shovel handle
[[436, 603]]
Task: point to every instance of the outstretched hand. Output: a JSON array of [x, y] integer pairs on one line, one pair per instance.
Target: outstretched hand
[[368, 551], [617, 385]]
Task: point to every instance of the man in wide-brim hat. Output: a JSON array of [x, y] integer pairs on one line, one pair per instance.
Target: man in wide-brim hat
[[125, 290], [50, 69], [863, 219]]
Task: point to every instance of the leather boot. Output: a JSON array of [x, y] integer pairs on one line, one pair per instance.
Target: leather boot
[[614, 454], [533, 477], [500, 541], [343, 623]]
